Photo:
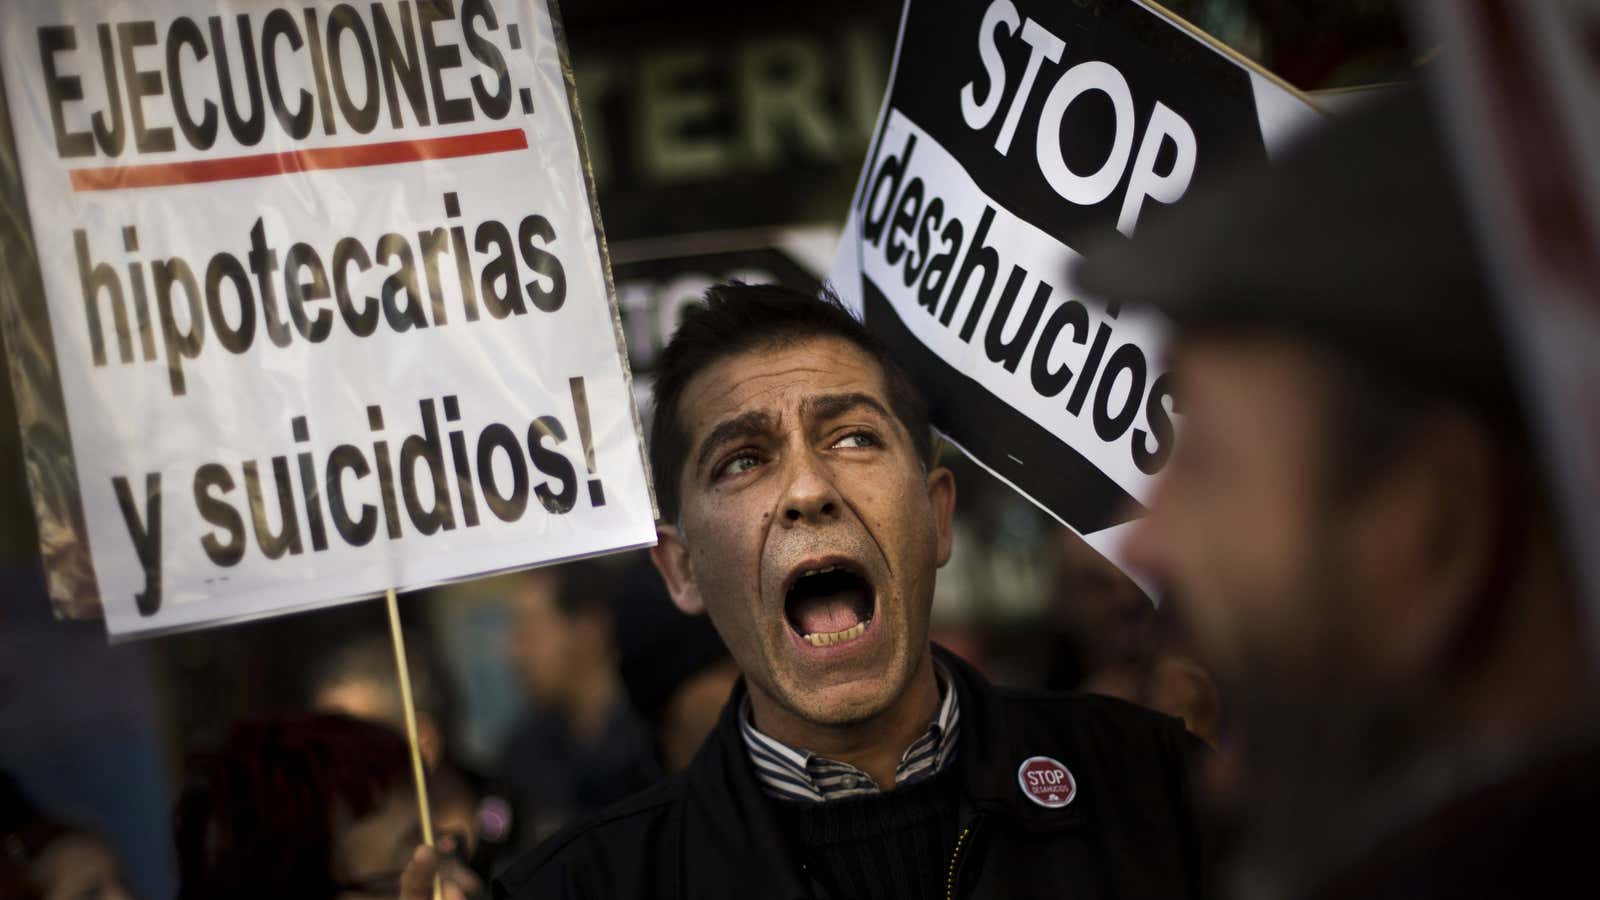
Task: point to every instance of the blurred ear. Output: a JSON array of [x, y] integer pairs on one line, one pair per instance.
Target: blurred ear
[[942, 494], [1433, 526], [671, 558]]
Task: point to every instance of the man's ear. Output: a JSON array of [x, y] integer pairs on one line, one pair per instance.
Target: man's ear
[[1435, 538], [671, 558], [942, 494]]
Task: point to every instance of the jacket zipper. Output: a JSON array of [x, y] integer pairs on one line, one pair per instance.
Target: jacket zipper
[[952, 879], [955, 863]]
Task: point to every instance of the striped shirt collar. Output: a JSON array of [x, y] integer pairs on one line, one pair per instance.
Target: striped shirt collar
[[788, 773]]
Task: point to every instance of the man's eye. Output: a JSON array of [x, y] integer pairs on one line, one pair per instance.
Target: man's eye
[[857, 440], [744, 462]]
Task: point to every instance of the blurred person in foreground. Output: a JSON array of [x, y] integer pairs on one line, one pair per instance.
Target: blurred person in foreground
[[802, 511], [580, 746], [315, 808], [1357, 532]]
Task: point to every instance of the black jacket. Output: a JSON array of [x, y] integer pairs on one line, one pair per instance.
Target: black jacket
[[709, 832]]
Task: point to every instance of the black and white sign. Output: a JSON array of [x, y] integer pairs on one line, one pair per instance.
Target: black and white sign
[[1011, 133]]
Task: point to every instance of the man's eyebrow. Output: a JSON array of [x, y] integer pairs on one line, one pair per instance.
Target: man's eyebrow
[[829, 406], [743, 425]]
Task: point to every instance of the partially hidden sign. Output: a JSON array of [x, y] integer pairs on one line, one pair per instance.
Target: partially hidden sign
[[326, 302], [1012, 133]]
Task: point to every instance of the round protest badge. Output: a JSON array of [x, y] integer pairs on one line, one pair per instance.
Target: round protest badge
[[1046, 782]]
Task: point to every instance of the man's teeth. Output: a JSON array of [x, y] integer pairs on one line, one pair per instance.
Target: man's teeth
[[837, 637], [822, 571]]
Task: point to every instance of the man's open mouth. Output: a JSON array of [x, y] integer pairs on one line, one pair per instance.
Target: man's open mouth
[[830, 604]]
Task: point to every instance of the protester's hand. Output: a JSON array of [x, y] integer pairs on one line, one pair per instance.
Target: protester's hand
[[456, 882], [416, 882]]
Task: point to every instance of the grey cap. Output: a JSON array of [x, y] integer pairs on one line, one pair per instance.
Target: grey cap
[[1356, 240]]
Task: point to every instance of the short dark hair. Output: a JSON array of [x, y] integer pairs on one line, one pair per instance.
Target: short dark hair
[[737, 317], [370, 659], [257, 818]]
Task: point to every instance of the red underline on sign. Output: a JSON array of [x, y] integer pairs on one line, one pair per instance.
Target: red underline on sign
[[111, 178]]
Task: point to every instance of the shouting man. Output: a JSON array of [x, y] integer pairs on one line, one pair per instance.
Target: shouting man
[[793, 464]]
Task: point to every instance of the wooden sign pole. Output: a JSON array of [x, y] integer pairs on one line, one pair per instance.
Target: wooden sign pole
[[417, 772]]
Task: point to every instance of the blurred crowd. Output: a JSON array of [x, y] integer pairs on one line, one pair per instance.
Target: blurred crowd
[[616, 688]]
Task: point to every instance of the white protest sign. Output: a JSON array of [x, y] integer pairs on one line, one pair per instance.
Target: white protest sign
[[1012, 133], [1520, 80], [327, 298]]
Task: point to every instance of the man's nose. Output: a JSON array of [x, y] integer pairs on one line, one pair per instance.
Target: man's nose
[[809, 494]]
